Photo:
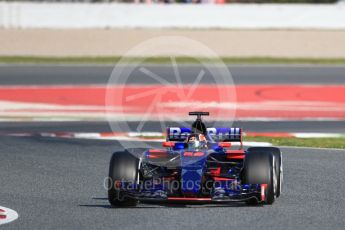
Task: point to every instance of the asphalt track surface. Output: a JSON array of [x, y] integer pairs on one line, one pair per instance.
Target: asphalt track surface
[[58, 184], [249, 126], [241, 74]]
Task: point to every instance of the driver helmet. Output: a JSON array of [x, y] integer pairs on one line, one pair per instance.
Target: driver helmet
[[197, 141]]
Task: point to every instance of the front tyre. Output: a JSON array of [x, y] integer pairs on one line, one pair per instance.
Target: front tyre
[[278, 164], [259, 168], [123, 168]]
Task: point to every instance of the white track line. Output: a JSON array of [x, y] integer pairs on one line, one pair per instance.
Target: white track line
[[318, 135], [314, 148], [131, 136], [8, 214]]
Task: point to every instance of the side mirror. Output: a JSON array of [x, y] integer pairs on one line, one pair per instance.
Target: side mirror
[[168, 144], [224, 144]]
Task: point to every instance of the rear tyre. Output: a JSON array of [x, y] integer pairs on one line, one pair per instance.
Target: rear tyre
[[123, 168], [259, 168], [278, 164]]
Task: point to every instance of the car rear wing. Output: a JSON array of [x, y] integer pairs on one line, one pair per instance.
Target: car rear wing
[[180, 134]]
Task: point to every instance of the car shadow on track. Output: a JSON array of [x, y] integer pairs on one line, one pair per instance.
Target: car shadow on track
[[152, 205]]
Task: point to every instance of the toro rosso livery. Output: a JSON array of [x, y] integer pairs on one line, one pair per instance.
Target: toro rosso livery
[[197, 164]]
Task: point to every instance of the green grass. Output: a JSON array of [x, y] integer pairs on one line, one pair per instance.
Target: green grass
[[338, 143], [164, 60]]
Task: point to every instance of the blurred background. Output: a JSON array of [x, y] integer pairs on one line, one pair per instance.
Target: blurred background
[[274, 48]]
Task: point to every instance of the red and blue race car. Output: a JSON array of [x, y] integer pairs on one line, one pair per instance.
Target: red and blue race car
[[197, 164]]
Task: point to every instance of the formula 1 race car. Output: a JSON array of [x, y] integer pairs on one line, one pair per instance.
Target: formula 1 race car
[[198, 164]]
